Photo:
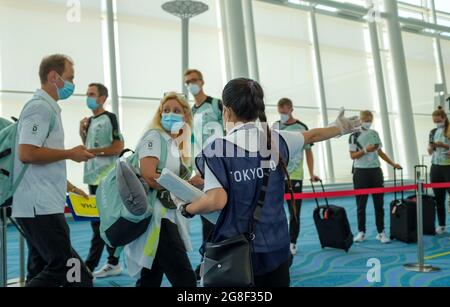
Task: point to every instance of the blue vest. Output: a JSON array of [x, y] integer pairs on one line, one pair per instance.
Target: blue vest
[[241, 175]]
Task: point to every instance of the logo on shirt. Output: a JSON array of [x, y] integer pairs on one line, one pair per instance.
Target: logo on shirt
[[150, 145], [35, 128]]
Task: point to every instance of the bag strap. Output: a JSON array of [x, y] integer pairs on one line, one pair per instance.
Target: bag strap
[[260, 202]]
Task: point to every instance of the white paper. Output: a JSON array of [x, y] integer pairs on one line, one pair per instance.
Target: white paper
[[184, 191]]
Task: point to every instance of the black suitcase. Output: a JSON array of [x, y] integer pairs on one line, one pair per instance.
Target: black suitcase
[[332, 225], [403, 217], [428, 205]]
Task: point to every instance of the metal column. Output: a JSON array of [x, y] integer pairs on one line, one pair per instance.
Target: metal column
[[322, 94], [184, 51], [226, 44], [381, 89], [402, 85], [251, 39], [114, 93], [438, 50], [236, 39]]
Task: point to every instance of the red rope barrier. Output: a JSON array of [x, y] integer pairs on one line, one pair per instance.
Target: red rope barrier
[[347, 193]]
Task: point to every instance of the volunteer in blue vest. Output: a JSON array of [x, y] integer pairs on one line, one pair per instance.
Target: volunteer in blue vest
[[162, 249], [39, 201], [365, 151], [207, 114], [232, 183], [439, 148], [287, 122], [101, 136]]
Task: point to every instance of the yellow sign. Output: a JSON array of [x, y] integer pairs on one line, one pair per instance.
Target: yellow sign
[[83, 207]]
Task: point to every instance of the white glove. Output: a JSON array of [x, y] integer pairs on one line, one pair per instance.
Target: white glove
[[177, 201], [345, 124]]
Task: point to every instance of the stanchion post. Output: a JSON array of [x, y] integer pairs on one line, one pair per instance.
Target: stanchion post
[[420, 266], [22, 260], [3, 244]]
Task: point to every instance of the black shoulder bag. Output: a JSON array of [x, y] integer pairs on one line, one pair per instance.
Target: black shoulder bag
[[229, 263]]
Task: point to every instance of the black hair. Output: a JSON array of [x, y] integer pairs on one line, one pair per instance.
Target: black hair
[[245, 97]]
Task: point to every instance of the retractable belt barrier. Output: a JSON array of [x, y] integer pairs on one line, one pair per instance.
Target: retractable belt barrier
[[347, 193]]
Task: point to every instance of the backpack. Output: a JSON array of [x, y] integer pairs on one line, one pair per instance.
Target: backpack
[[119, 226], [8, 137]]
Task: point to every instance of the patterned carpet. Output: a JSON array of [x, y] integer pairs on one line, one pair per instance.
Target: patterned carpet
[[312, 267]]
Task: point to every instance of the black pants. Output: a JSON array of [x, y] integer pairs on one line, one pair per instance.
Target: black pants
[[97, 244], [440, 173], [207, 229], [294, 213], [170, 259], [366, 179], [277, 278], [49, 252]]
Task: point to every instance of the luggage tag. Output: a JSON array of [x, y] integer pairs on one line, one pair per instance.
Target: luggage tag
[[394, 209]]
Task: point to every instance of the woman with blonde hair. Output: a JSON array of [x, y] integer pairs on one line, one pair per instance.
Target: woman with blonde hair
[[365, 151], [163, 248], [438, 148]]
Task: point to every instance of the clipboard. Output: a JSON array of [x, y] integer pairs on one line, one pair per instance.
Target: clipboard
[[184, 191], [83, 209]]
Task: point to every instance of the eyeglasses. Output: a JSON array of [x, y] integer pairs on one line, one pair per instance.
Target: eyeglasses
[[188, 82]]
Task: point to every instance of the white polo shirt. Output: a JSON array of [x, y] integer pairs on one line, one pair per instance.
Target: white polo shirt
[[43, 188]]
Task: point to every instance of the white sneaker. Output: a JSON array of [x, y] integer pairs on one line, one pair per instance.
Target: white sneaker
[[440, 230], [108, 270], [360, 237], [383, 238], [293, 249]]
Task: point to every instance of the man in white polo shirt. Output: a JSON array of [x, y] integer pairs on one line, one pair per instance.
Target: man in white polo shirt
[[39, 201]]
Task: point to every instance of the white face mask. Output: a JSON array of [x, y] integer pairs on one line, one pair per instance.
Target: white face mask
[[194, 89], [366, 126], [284, 118], [440, 125]]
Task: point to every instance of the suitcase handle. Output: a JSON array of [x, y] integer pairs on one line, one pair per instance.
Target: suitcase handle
[[314, 191], [395, 182], [423, 175]]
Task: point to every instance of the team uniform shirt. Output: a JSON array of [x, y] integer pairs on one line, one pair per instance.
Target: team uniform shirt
[[361, 140], [102, 131], [298, 126], [440, 155], [4, 123], [150, 146], [207, 123], [43, 189], [241, 177]]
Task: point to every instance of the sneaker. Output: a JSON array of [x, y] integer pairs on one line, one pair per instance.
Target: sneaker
[[360, 237], [108, 270], [293, 248], [383, 238], [440, 230]]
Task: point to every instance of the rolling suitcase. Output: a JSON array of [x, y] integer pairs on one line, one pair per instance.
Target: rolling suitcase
[[403, 217], [332, 225], [428, 205]]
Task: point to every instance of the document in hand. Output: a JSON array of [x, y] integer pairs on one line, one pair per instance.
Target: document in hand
[[183, 190]]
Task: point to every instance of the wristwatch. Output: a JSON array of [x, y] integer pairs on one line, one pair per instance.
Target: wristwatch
[[184, 212]]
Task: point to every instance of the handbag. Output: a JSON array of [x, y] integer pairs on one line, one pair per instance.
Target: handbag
[[229, 263]]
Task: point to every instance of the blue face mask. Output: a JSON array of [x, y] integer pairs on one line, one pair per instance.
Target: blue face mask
[[92, 103], [66, 91], [172, 122]]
